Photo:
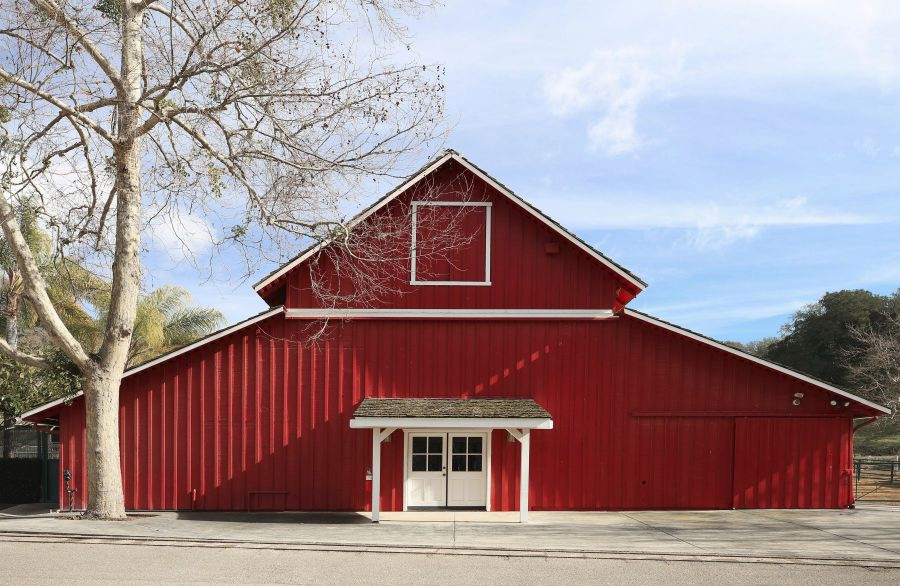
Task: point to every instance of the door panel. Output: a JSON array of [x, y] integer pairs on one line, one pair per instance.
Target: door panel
[[426, 482], [467, 476]]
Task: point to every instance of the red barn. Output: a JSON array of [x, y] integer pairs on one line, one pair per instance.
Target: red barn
[[505, 374]]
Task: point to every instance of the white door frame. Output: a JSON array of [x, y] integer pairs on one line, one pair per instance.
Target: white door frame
[[407, 438]]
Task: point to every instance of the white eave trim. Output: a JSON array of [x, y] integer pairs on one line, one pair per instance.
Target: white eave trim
[[452, 422], [49, 405], [756, 359], [365, 214], [490, 181], [549, 223], [581, 314], [236, 327]]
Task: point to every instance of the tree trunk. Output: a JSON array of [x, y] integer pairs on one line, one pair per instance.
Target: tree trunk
[[105, 497], [12, 329]]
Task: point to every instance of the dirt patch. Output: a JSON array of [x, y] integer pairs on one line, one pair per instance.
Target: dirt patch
[[883, 493]]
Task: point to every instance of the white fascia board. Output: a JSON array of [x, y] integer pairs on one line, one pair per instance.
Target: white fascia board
[[756, 359], [365, 214], [581, 314], [548, 222], [203, 341], [490, 181], [166, 357], [451, 422], [50, 405]]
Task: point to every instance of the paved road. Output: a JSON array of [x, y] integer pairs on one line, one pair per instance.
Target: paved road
[[79, 563]]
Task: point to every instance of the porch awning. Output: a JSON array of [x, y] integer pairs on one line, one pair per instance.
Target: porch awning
[[449, 413]]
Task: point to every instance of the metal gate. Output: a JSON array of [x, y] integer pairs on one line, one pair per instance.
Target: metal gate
[[29, 465], [877, 480]]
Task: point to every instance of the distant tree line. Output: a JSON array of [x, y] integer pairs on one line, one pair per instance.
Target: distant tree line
[[848, 338]]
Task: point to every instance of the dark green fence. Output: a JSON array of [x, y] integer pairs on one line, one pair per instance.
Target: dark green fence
[[29, 466]]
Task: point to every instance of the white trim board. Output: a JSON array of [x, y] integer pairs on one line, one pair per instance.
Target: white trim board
[[777, 367], [451, 423], [165, 357], [490, 181], [582, 314], [487, 242], [362, 216]]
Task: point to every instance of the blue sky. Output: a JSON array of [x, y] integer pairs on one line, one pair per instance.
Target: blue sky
[[741, 157]]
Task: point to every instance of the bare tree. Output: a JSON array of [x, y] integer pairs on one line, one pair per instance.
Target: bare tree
[[263, 114], [874, 364]]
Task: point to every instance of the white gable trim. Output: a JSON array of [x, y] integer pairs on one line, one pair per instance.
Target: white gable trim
[[490, 181], [365, 214], [746, 356], [550, 223], [165, 357]]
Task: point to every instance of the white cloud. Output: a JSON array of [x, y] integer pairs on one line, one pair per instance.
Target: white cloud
[[613, 83], [708, 224], [182, 235]]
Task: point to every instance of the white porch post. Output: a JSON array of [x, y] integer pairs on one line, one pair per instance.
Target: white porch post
[[525, 441], [376, 474], [378, 436]]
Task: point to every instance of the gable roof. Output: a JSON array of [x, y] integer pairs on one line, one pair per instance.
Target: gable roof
[[168, 355], [752, 358], [448, 155]]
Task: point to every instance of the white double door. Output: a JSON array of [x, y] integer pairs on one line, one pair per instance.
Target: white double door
[[446, 469]]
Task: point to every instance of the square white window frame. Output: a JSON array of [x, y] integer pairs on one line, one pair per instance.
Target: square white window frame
[[487, 242]]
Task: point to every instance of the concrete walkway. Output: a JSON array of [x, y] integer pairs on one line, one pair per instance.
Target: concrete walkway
[[868, 536]]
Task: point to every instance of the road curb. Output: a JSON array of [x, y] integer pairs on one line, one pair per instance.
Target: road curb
[[412, 549]]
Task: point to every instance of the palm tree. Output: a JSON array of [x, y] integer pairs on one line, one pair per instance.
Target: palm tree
[[72, 288], [166, 320]]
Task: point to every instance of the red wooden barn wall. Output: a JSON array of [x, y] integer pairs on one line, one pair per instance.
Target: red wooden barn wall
[[644, 418], [791, 463]]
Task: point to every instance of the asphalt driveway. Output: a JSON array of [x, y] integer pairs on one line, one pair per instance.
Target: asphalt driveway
[[868, 535]]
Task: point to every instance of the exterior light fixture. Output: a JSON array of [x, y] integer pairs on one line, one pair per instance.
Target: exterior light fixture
[[796, 401], [833, 403], [798, 395]]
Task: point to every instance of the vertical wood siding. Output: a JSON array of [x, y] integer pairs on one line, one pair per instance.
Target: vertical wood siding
[[792, 463], [258, 420]]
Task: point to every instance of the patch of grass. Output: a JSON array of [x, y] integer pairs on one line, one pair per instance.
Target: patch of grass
[[877, 440]]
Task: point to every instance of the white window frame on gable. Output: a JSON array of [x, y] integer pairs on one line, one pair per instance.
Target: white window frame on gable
[[487, 242]]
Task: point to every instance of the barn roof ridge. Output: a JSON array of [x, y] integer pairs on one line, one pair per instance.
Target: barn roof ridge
[[646, 317], [423, 171]]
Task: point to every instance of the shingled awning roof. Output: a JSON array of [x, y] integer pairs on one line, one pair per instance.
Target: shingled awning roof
[[451, 412]]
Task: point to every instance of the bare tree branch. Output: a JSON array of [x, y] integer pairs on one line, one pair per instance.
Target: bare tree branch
[[58, 103], [22, 357], [36, 289], [55, 12]]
